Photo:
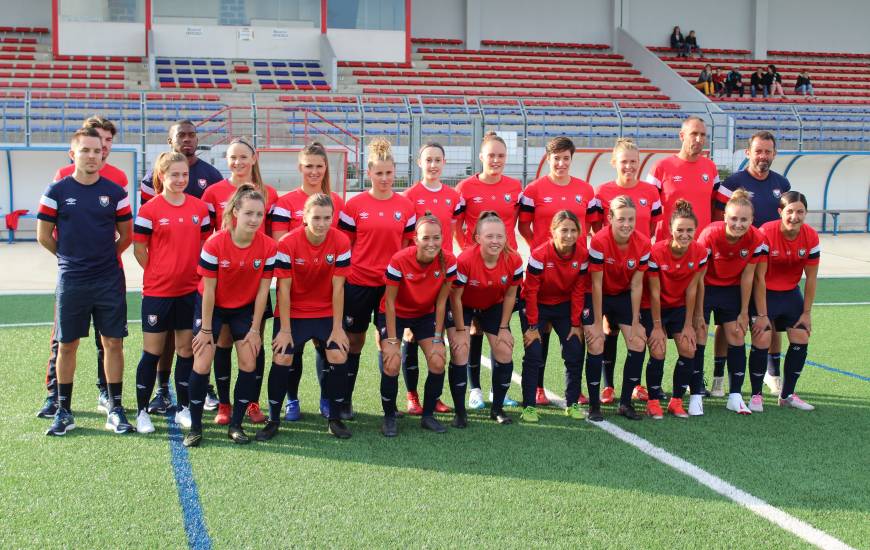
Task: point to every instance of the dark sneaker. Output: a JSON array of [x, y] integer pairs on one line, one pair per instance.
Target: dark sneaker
[[63, 422], [390, 427], [269, 431], [116, 421], [238, 435], [429, 423], [193, 438], [460, 420], [628, 412], [347, 411], [338, 429], [595, 414], [49, 408], [501, 417], [161, 404]]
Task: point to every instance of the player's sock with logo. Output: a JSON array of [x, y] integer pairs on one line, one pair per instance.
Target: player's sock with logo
[[294, 376], [259, 372], [432, 391], [115, 390], [475, 350], [352, 371], [655, 371], [222, 366], [795, 358], [593, 379], [333, 382], [163, 380], [183, 368], [410, 365], [736, 368], [682, 376], [501, 381], [458, 379], [64, 396], [278, 376], [697, 380], [389, 390], [757, 368], [719, 366], [773, 362], [243, 395], [198, 389], [146, 374], [608, 361], [631, 371]]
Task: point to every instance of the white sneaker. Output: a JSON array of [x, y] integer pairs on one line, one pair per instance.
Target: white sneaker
[[143, 423], [774, 383], [736, 404], [756, 403], [475, 399], [182, 417], [718, 388], [795, 402], [696, 405]]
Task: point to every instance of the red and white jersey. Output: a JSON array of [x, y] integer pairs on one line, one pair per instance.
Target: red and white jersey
[[238, 270], [217, 196], [111, 173], [502, 197], [287, 213], [174, 237], [787, 259], [697, 182], [618, 265], [312, 267], [418, 284], [647, 203], [552, 279], [483, 286], [378, 228], [444, 204], [674, 274], [727, 260], [542, 198]]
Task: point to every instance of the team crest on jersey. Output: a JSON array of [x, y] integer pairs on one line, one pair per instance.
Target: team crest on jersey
[[152, 320], [507, 197], [437, 274], [574, 265], [397, 215], [330, 258], [225, 264], [104, 200], [705, 177], [744, 253], [195, 219], [631, 263], [643, 202], [504, 279], [257, 264], [777, 193], [578, 198], [202, 183], [802, 252], [448, 202], [691, 265]]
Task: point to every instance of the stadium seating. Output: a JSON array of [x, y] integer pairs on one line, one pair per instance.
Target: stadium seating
[[225, 74]]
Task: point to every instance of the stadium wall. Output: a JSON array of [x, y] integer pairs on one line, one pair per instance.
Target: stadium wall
[[809, 25], [442, 19], [30, 13], [717, 24]]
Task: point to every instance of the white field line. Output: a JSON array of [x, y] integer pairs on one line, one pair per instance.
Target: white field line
[[754, 504]]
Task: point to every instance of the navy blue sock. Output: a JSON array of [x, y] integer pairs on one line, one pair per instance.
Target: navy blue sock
[[389, 390], [697, 382], [573, 381], [719, 366], [352, 371], [223, 361], [593, 379], [795, 358], [775, 359], [757, 368], [64, 396], [243, 395], [457, 375], [475, 352], [611, 342], [198, 389], [736, 368], [277, 388], [631, 372], [682, 376], [432, 391], [294, 376], [321, 366], [163, 380], [334, 382], [259, 373], [545, 349], [501, 381], [183, 368], [115, 389], [410, 365], [146, 375], [655, 371]]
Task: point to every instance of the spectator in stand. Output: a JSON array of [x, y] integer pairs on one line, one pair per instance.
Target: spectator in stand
[[803, 85], [705, 80], [678, 42], [775, 81], [734, 81], [758, 83], [692, 45], [718, 82]]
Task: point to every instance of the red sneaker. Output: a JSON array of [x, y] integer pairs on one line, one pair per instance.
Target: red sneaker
[[224, 414], [607, 395], [414, 407], [442, 407], [640, 393], [654, 409], [583, 400], [541, 398], [675, 407], [255, 415]]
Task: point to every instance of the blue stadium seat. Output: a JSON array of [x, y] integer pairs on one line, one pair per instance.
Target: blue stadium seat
[[199, 62], [219, 71], [299, 73], [312, 65], [182, 62], [163, 62], [182, 71], [279, 64], [264, 73], [281, 73], [260, 64], [320, 83], [218, 63], [164, 71], [201, 71]]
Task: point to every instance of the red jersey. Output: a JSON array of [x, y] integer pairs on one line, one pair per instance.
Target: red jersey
[[287, 214], [483, 286], [542, 198], [552, 279], [312, 267], [618, 265], [502, 197], [174, 236], [674, 274], [697, 182], [238, 270], [728, 260], [111, 173], [444, 204], [218, 195], [418, 284], [379, 226], [648, 204], [786, 259]]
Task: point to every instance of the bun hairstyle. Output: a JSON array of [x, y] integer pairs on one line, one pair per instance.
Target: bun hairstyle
[[316, 149], [623, 144], [563, 215], [559, 144], [161, 166], [490, 137], [622, 201], [741, 197], [256, 177], [318, 199], [244, 192], [433, 144], [683, 210], [488, 216], [790, 197], [380, 150], [429, 218]]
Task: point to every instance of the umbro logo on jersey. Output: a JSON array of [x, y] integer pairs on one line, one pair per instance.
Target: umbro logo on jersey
[[548, 200], [163, 221], [70, 202], [330, 258], [202, 183], [409, 276], [677, 179], [744, 253], [774, 253], [364, 215], [298, 213], [643, 202], [666, 267], [300, 261], [223, 205], [152, 320], [421, 201], [104, 200], [257, 264], [477, 200], [225, 264]]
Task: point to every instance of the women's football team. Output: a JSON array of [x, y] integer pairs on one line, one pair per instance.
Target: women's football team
[[387, 258]]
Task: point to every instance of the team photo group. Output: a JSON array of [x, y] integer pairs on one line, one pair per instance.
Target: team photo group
[[675, 254]]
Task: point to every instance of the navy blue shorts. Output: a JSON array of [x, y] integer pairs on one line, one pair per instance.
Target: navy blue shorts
[[673, 320], [104, 300], [361, 304], [784, 308], [489, 318], [422, 327], [723, 302], [303, 330], [165, 314], [239, 319], [617, 308]]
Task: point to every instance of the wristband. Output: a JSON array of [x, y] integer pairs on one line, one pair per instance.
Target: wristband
[[657, 321], [391, 340], [204, 331], [437, 340], [760, 315], [459, 329], [255, 331]]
